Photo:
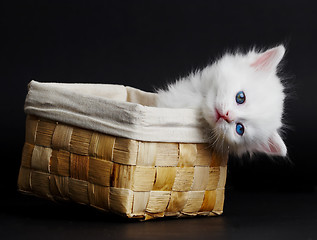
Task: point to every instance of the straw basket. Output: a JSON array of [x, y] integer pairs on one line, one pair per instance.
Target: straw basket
[[70, 154]]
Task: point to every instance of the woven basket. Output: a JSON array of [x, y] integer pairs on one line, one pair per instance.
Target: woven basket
[[131, 177]]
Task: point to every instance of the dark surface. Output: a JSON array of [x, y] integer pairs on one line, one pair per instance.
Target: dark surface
[[146, 44], [247, 216]]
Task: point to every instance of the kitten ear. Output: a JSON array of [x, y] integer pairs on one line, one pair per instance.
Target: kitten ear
[[269, 59], [274, 146]]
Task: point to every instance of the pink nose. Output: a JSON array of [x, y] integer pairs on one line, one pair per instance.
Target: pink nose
[[223, 116]]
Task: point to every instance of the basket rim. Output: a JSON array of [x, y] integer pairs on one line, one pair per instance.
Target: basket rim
[[91, 109]]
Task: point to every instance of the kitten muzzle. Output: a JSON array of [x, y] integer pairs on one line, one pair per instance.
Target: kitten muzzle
[[224, 117]]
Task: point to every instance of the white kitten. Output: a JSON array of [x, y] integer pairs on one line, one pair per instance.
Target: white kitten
[[240, 97]]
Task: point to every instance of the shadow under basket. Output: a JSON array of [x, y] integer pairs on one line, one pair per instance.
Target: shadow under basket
[[131, 177]]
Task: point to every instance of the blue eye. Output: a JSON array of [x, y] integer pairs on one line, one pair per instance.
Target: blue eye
[[240, 129], [240, 97]]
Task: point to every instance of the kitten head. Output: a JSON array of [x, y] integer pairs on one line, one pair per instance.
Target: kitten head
[[244, 102]]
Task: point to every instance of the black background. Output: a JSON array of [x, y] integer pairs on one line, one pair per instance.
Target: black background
[[146, 44]]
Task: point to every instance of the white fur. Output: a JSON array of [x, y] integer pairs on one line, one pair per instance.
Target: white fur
[[216, 86]]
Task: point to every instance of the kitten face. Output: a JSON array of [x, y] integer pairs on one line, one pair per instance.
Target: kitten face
[[243, 102]]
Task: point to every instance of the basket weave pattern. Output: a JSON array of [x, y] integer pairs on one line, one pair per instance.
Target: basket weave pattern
[[133, 178]]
